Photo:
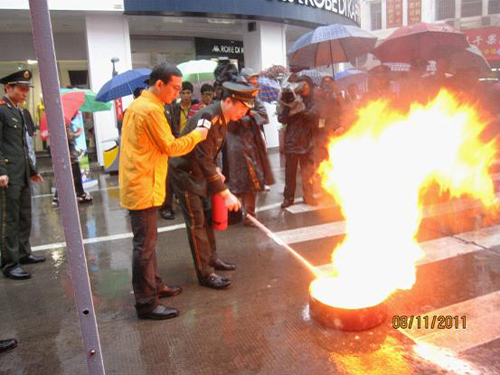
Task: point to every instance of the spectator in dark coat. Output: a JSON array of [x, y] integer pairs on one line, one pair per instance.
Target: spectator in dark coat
[[298, 113], [249, 167]]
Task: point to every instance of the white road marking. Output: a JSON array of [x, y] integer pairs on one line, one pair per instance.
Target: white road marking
[[482, 324], [114, 237]]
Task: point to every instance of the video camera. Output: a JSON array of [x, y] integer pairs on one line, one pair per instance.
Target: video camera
[[290, 91]]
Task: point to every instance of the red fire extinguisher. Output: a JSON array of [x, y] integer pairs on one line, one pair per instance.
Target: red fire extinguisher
[[219, 212]]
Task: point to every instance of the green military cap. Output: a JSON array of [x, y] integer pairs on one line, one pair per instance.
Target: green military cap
[[242, 92], [21, 77]]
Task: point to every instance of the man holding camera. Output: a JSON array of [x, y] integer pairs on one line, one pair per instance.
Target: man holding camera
[[298, 112]]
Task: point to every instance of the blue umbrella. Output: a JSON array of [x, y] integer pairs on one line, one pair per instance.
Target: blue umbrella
[[269, 89], [123, 84], [331, 44]]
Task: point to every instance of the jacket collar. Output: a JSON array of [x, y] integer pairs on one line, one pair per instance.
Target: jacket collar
[[151, 97], [9, 102], [218, 111]]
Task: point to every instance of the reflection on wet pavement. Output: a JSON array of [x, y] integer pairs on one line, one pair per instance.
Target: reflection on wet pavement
[[261, 325]]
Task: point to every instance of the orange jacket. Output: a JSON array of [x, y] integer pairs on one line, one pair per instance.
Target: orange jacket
[[146, 144]]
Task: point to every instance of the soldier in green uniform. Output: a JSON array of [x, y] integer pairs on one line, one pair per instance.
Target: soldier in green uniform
[[16, 171]]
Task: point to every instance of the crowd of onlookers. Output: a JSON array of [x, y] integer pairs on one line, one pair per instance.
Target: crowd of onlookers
[[311, 114]]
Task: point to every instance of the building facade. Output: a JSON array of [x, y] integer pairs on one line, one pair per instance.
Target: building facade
[[478, 19], [142, 33]]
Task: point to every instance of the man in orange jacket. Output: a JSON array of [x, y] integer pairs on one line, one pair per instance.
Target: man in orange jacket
[[146, 144]]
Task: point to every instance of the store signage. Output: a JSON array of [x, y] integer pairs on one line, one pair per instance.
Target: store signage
[[310, 13], [221, 48], [487, 39], [218, 47], [394, 13], [346, 8], [414, 11]]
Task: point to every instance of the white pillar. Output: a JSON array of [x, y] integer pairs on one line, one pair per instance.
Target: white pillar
[[384, 15], [266, 46], [458, 9], [107, 37], [485, 8], [428, 10], [405, 12]]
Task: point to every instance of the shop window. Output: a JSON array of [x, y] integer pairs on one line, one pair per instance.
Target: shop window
[[494, 7], [472, 8], [445, 9], [376, 16]]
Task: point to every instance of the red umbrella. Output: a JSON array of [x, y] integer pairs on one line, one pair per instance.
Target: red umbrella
[[71, 103], [419, 41]]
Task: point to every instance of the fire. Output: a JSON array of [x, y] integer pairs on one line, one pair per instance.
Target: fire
[[377, 171]]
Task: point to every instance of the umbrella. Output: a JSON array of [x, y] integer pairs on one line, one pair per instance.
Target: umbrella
[[314, 74], [331, 44], [90, 104], [460, 58], [196, 71], [123, 84], [352, 76], [422, 40], [269, 89], [71, 103]]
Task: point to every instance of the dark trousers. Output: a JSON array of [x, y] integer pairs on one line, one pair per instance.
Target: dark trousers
[[306, 172], [15, 224], [77, 179], [168, 204], [201, 236], [248, 202], [145, 277]]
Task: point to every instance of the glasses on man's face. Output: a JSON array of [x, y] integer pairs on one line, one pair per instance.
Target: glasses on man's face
[[177, 88]]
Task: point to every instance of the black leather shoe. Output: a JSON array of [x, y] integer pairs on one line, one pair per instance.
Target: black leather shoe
[[32, 259], [169, 291], [6, 345], [286, 203], [17, 273], [167, 214], [220, 265], [160, 312], [215, 282]]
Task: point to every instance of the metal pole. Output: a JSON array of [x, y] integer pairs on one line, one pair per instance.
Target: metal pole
[[44, 47]]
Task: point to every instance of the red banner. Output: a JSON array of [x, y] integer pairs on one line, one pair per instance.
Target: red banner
[[414, 11], [119, 109], [487, 39], [394, 13]]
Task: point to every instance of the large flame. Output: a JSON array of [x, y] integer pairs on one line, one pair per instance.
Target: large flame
[[376, 172]]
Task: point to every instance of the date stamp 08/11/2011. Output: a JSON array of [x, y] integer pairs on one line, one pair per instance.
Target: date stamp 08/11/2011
[[429, 322]]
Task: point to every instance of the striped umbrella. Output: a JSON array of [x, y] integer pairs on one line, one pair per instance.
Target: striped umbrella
[[269, 89], [331, 44]]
